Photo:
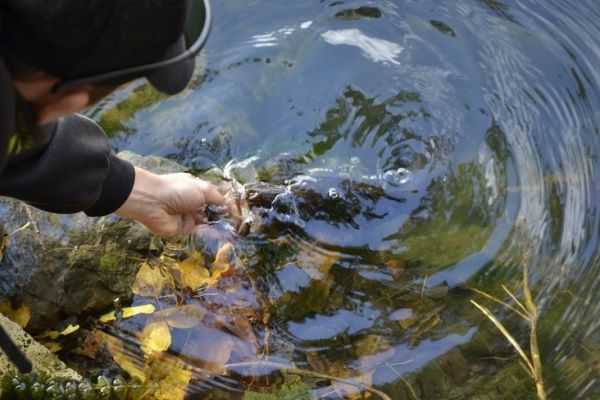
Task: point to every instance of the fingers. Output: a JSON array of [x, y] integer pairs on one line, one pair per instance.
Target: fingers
[[211, 194]]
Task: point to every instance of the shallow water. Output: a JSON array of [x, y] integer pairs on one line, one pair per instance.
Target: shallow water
[[484, 116]]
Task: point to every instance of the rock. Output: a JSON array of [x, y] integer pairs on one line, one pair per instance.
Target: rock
[[44, 362], [65, 265]]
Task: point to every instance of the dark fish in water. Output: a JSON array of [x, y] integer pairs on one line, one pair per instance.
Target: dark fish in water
[[332, 208]]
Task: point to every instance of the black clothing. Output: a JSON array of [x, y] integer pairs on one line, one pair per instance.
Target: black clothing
[[73, 38], [73, 171]]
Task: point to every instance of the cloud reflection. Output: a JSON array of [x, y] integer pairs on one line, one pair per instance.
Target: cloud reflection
[[378, 50]]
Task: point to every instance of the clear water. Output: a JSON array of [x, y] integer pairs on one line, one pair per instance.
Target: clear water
[[483, 115]]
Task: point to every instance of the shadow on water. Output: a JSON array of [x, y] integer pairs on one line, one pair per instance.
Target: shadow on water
[[419, 148]]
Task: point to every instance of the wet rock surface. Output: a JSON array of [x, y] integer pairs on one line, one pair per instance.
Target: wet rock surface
[[42, 360], [64, 265]]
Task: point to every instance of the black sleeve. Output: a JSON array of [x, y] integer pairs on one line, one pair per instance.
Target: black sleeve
[[76, 171]]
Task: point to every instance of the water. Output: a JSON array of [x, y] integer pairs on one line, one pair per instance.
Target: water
[[483, 115]]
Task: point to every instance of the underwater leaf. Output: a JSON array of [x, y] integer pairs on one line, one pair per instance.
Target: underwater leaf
[[371, 344], [209, 349], [149, 281], [54, 347], [171, 374], [191, 272], [54, 334], [156, 337], [223, 270], [142, 309], [347, 390], [316, 262], [182, 317], [372, 351], [225, 255], [128, 312], [174, 386], [90, 345], [69, 329], [20, 316], [127, 361]]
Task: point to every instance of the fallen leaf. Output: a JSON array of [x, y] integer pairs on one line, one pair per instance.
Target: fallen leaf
[[54, 347], [54, 334], [225, 255], [20, 315], [128, 312], [129, 363], [174, 386], [182, 317], [371, 344], [90, 345], [192, 272], [346, 390], [155, 337], [223, 270], [171, 374], [149, 281], [316, 262], [209, 349]]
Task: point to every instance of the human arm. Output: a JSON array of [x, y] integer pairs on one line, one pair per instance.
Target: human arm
[[170, 204], [76, 171]]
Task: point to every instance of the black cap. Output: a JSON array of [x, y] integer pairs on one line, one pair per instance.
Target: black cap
[[75, 39]]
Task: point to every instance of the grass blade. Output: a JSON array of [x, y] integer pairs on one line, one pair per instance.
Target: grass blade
[[506, 334]]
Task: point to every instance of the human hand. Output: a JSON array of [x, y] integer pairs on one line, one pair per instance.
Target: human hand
[[169, 205]]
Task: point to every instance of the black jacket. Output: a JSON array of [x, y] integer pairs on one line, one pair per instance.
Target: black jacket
[[66, 167]]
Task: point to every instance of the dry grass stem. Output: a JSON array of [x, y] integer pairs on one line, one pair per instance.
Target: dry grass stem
[[497, 300], [506, 334], [528, 311]]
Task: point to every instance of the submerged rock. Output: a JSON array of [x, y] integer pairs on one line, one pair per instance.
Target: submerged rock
[[43, 361], [64, 265]]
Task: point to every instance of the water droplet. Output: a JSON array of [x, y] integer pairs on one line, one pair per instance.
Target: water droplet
[[333, 194], [355, 160]]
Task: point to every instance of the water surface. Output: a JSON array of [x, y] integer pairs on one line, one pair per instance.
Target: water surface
[[483, 116]]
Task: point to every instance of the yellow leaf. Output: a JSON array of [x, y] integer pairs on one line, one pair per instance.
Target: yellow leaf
[[316, 262], [174, 386], [130, 364], [20, 315], [54, 347], [193, 273], [182, 317], [223, 270], [149, 281], [156, 337], [171, 374], [225, 255], [142, 309], [69, 329], [54, 334], [129, 312]]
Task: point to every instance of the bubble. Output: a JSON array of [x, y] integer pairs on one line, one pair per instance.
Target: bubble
[[400, 176], [333, 194]]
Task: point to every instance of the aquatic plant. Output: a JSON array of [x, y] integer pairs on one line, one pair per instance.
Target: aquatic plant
[[529, 312], [25, 386]]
